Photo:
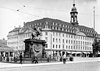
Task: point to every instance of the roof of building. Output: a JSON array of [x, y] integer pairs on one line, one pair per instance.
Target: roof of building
[[49, 20], [15, 29], [86, 30], [3, 42], [4, 47], [25, 29]]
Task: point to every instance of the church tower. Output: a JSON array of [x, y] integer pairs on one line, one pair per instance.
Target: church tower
[[73, 14]]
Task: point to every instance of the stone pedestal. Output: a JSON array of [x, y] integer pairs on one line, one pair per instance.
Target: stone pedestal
[[34, 47]]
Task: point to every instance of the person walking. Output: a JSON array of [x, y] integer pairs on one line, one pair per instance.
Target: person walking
[[0, 57], [36, 60], [64, 58], [20, 57]]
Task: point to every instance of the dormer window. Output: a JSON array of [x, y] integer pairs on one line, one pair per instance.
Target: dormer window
[[55, 28], [63, 25], [56, 23], [62, 29], [66, 30], [58, 28], [66, 26], [46, 22], [53, 23], [60, 25], [52, 27]]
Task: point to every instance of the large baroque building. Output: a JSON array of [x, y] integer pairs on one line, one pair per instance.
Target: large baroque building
[[59, 35]]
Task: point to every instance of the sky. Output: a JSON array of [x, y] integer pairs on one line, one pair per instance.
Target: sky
[[13, 13]]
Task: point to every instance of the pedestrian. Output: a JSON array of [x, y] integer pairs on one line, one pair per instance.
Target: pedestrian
[[0, 57], [20, 57], [64, 58], [36, 59], [48, 59], [33, 59], [71, 58]]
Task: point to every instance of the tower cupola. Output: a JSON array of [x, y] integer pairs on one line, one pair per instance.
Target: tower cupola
[[73, 14]]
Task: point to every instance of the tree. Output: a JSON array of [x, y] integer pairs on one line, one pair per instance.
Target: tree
[[96, 47]]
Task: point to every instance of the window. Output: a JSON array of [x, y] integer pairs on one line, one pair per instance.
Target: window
[[56, 40], [53, 33], [69, 47], [56, 46], [57, 28], [63, 35], [69, 36], [66, 46], [59, 46], [56, 34], [63, 25], [66, 35], [53, 46], [59, 34], [66, 26], [56, 23], [46, 45], [66, 41], [53, 23], [63, 40], [62, 29], [54, 28], [51, 27], [53, 40], [59, 41], [60, 25], [69, 41], [66, 30], [46, 33], [63, 46]]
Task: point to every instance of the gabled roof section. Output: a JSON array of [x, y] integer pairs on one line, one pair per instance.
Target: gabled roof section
[[4, 47], [15, 29], [3, 42], [25, 30]]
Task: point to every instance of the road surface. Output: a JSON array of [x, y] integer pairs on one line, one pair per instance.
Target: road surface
[[84, 66]]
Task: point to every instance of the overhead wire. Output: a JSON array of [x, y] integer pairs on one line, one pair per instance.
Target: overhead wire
[[22, 10]]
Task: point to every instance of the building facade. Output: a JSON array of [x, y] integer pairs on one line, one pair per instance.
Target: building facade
[[60, 36]]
